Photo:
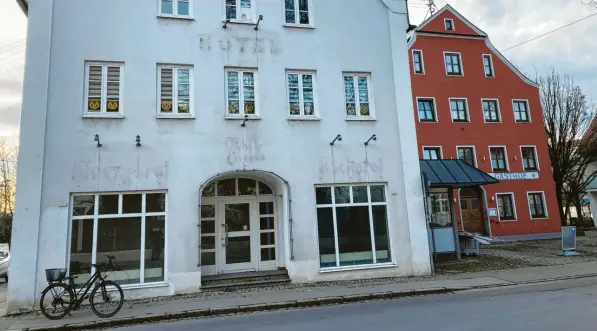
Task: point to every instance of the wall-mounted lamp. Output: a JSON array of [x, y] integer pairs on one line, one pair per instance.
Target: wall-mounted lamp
[[338, 138], [484, 159], [492, 198], [225, 26], [97, 140], [244, 123], [258, 21], [373, 137], [138, 140], [515, 158]]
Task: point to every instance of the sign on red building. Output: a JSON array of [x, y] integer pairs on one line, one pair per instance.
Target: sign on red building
[[471, 103]]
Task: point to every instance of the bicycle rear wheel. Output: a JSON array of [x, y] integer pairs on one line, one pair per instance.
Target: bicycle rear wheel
[[106, 299], [55, 301]]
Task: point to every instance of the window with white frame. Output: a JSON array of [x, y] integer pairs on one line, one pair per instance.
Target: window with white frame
[[491, 111], [488, 65], [505, 203], [175, 90], [498, 159], [529, 158], [243, 10], [241, 91], [426, 108], [129, 226], [301, 93], [521, 111], [537, 204], [352, 225], [418, 65], [297, 12], [432, 153], [459, 110], [453, 64], [449, 24], [357, 92], [175, 7], [103, 88]]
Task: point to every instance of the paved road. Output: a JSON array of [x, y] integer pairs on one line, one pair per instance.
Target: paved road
[[544, 307]]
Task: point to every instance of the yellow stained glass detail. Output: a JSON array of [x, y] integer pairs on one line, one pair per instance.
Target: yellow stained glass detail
[[94, 104], [166, 106], [112, 105]]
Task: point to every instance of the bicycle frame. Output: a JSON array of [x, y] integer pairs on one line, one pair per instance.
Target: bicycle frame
[[87, 286]]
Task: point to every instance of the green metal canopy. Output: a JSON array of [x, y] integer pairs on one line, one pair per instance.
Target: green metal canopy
[[454, 174]]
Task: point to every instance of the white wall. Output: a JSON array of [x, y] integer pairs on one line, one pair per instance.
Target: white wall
[[180, 155]]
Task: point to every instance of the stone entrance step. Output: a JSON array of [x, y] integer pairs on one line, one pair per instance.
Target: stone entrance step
[[232, 282]]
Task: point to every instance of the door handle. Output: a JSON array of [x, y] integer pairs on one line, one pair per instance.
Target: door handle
[[226, 233]]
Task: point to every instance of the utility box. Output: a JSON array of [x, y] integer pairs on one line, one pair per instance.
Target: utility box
[[569, 241]]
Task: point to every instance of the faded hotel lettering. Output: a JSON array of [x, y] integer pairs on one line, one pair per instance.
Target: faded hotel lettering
[[515, 175]]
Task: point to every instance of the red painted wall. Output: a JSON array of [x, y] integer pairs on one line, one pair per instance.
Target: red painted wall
[[474, 86]]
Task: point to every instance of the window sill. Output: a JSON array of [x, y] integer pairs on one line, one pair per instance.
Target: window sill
[[459, 75], [522, 122], [545, 218], [461, 122], [489, 76], [104, 116], [512, 220], [493, 122], [359, 267], [420, 73], [500, 171], [299, 26], [303, 118], [176, 117], [242, 117], [176, 17], [427, 121], [359, 118], [145, 285]]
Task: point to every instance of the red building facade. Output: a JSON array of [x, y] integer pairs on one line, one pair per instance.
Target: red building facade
[[472, 104]]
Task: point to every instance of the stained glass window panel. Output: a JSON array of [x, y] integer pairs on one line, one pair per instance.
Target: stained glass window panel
[[231, 9]]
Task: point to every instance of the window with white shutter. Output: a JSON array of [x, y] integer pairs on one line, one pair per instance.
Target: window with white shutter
[[175, 92], [103, 90]]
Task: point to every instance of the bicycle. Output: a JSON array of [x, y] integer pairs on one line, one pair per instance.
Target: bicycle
[[62, 302]]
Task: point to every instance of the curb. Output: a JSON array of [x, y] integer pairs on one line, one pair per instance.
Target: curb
[[222, 311]]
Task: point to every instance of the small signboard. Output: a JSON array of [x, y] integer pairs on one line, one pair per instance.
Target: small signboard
[[514, 175], [492, 212]]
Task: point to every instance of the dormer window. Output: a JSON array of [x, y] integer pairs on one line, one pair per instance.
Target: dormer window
[[449, 24]]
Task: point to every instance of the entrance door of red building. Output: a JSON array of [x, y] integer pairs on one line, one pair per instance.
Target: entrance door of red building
[[471, 207]]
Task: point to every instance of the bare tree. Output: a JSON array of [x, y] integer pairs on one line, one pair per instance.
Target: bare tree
[[8, 169], [572, 140]]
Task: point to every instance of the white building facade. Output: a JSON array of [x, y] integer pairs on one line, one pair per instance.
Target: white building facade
[[191, 138]]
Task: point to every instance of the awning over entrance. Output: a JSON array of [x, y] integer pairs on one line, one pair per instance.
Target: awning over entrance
[[454, 174]]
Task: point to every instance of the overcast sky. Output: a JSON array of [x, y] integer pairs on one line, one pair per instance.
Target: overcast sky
[[572, 50]]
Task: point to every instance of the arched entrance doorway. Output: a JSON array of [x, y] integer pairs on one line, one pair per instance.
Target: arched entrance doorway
[[472, 210], [239, 226]]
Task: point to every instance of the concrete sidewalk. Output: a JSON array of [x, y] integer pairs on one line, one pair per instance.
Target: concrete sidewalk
[[313, 295]]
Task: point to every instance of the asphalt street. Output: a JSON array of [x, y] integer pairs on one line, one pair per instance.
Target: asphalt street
[[570, 305]]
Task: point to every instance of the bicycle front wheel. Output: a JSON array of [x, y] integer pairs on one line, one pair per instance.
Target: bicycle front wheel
[[106, 299], [56, 300]]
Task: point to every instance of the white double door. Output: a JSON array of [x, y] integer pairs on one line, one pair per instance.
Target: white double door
[[244, 235]]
